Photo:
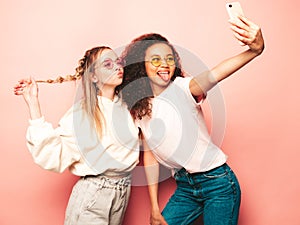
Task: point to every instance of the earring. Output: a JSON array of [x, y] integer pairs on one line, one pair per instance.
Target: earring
[[96, 87]]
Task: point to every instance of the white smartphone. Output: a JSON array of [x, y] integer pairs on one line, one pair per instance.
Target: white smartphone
[[234, 9]]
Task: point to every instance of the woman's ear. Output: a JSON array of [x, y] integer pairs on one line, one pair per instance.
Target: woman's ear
[[94, 78]]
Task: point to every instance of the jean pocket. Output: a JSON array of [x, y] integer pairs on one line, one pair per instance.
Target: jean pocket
[[216, 173]]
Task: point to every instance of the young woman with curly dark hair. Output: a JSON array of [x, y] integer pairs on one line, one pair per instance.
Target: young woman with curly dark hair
[[166, 107]]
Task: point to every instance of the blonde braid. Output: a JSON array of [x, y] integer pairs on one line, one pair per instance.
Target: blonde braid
[[77, 76]]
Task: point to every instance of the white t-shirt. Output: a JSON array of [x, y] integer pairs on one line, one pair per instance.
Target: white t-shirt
[[74, 144], [177, 133]]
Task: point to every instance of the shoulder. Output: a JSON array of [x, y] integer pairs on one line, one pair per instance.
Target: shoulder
[[184, 84], [182, 81]]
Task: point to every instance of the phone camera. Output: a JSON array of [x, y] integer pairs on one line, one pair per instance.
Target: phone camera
[[230, 5]]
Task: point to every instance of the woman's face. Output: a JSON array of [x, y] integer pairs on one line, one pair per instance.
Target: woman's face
[[160, 66], [108, 69]]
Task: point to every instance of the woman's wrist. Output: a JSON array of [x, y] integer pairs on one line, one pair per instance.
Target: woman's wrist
[[155, 209], [34, 109], [32, 101]]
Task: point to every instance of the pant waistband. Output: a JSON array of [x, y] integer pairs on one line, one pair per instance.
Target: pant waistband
[[183, 170], [108, 181]]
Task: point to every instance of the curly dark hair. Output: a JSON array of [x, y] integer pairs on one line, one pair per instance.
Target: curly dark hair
[[135, 88]]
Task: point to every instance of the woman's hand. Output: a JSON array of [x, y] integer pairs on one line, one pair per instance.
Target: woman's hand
[[157, 219], [248, 33], [28, 88]]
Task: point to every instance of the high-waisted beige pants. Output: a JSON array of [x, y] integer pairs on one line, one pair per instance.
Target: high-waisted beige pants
[[98, 200]]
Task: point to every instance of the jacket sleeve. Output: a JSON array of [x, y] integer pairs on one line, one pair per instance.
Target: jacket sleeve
[[53, 149]]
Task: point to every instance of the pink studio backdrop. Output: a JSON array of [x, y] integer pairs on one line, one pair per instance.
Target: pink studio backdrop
[[45, 39]]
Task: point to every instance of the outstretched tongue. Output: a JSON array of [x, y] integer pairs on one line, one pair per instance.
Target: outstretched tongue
[[164, 75]]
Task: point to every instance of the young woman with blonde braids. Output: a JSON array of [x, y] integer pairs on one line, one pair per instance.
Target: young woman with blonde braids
[[96, 139]]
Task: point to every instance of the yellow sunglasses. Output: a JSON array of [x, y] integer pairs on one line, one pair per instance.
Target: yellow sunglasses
[[157, 60]]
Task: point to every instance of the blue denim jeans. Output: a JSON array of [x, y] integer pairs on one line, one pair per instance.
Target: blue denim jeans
[[215, 194]]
